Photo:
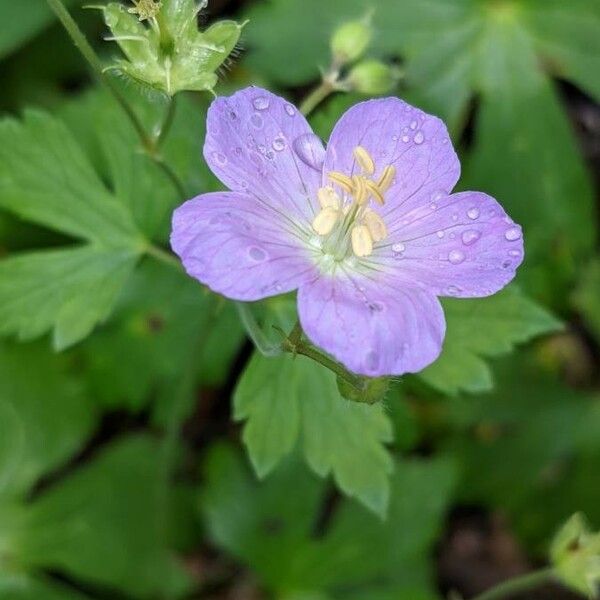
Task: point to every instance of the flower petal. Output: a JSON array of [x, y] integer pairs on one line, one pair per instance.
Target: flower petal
[[461, 245], [373, 326], [250, 147], [395, 133], [235, 246]]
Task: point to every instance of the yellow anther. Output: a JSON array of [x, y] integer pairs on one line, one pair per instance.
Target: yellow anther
[[375, 192], [342, 180], [325, 221], [362, 243], [361, 194], [328, 198], [145, 9], [363, 158], [375, 225], [386, 179]]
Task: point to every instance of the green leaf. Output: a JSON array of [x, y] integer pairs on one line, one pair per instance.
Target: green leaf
[[44, 418], [23, 587], [285, 400], [47, 179], [484, 328], [20, 21], [273, 531], [586, 296], [103, 524]]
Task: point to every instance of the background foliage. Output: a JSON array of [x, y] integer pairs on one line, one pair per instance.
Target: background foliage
[[148, 452]]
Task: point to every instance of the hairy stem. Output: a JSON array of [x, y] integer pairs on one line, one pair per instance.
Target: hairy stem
[[165, 127], [517, 585], [149, 143], [255, 332]]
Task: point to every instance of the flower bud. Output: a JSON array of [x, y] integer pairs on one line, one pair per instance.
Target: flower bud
[[371, 390], [163, 48], [371, 77], [575, 555], [350, 40]]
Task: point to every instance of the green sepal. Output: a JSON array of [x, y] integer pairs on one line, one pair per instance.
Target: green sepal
[[369, 391]]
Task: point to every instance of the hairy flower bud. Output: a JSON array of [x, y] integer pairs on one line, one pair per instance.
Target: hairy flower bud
[[575, 554], [371, 77], [166, 51], [350, 40]]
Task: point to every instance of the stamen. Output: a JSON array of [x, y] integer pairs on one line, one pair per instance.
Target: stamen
[[362, 244], [328, 197], [342, 180], [386, 179], [363, 158], [375, 225], [325, 221], [361, 194], [375, 192]]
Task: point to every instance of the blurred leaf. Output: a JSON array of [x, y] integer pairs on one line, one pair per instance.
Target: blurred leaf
[[529, 448], [45, 178], [102, 524], [272, 530], [21, 20], [45, 416], [484, 328], [287, 398], [154, 329], [586, 297], [23, 587]]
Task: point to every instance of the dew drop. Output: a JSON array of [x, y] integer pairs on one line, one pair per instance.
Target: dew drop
[[405, 139], [513, 234], [290, 110], [398, 247], [257, 254], [310, 150], [473, 213], [394, 138], [455, 217], [456, 257], [260, 103], [419, 137], [256, 120], [515, 253], [219, 158], [433, 206], [413, 125], [440, 234], [279, 144], [470, 237]]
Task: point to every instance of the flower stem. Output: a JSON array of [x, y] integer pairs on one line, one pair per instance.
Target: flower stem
[[163, 132], [254, 331], [296, 345], [518, 585], [163, 256], [149, 144], [316, 96]]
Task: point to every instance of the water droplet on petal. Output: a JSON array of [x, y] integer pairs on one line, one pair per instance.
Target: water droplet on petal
[[433, 206], [470, 237], [512, 234], [456, 257], [413, 125], [419, 137], [473, 213], [514, 253], [405, 139], [290, 110], [455, 217], [440, 234], [257, 254], [398, 247], [279, 144], [310, 150], [260, 103], [219, 158]]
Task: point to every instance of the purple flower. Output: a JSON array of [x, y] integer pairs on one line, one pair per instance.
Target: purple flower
[[366, 230]]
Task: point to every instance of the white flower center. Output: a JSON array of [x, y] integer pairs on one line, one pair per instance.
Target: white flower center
[[348, 222]]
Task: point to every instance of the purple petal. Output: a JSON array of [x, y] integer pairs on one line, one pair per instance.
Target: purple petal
[[460, 245], [239, 247], [395, 133], [373, 326], [250, 148]]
